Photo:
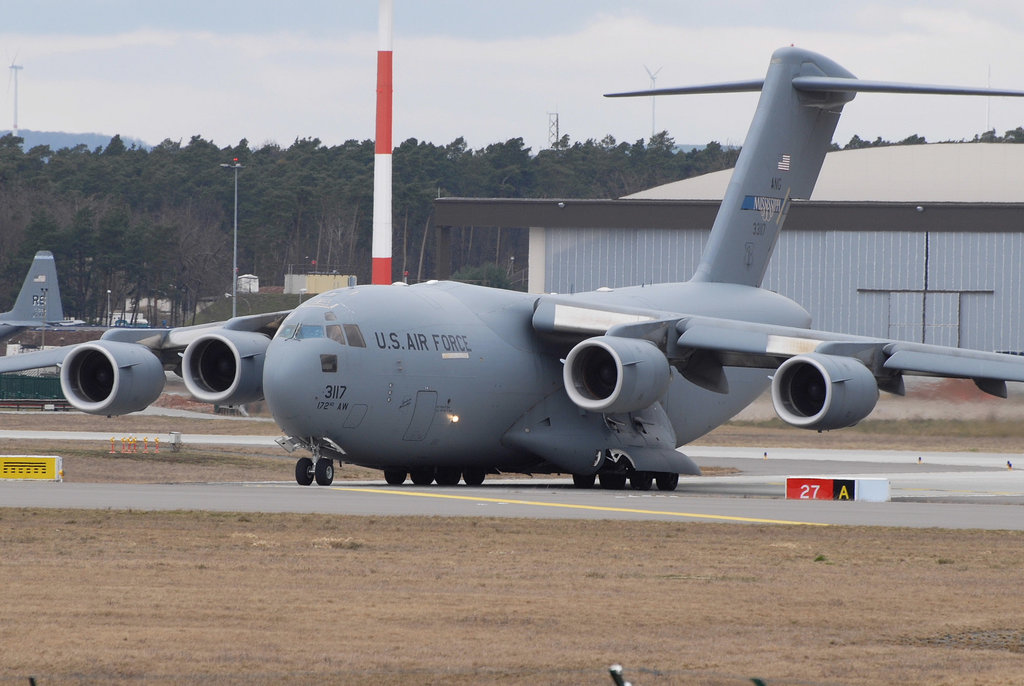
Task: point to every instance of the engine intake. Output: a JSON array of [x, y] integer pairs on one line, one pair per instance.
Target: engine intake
[[111, 377], [612, 374], [225, 367], [823, 392]]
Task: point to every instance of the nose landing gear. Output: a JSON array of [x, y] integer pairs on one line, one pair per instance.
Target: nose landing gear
[[304, 471], [322, 471]]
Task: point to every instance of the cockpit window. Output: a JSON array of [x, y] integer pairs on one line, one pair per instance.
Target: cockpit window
[[309, 331], [286, 331], [330, 317], [355, 336], [335, 334]]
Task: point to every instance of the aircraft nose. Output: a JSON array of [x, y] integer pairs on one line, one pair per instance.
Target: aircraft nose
[[286, 382]]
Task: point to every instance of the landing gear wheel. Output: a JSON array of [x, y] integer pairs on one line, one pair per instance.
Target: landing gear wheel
[[641, 481], [447, 476], [394, 477], [423, 476], [473, 477], [324, 472], [667, 481], [304, 471], [584, 480], [613, 481]]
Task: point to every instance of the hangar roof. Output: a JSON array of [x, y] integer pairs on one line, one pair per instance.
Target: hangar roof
[[942, 172]]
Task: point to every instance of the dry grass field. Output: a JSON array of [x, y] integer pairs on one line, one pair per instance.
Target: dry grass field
[[170, 598]]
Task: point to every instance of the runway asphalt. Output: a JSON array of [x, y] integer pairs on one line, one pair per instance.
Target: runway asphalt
[[945, 490]]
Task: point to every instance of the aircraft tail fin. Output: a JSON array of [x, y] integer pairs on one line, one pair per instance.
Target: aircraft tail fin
[[38, 301], [802, 97]]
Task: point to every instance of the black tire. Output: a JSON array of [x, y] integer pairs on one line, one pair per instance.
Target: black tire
[[641, 481], [394, 477], [613, 481], [667, 481], [423, 476], [324, 472], [447, 476], [304, 471], [584, 480], [474, 477]]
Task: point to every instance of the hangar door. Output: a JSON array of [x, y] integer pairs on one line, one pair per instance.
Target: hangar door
[[925, 317]]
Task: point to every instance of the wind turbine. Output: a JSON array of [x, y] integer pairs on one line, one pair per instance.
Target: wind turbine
[[653, 78]]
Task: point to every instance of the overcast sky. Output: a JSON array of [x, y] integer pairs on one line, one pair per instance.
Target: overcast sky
[[488, 70]]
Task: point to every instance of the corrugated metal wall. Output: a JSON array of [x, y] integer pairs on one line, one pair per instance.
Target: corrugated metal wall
[[948, 288]]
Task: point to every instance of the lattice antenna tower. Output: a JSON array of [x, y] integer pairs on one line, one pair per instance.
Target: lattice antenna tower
[[553, 135], [15, 68], [654, 78]]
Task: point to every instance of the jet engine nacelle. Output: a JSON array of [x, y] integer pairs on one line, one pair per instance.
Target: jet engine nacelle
[[111, 377], [823, 392], [225, 367], [612, 374]]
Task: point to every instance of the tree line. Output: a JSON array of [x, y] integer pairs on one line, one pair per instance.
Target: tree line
[[158, 223]]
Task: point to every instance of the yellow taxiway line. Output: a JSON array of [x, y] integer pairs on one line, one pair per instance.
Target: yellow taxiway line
[[569, 506]]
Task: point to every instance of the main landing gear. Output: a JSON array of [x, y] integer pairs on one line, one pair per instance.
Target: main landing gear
[[638, 481], [443, 476], [321, 471]]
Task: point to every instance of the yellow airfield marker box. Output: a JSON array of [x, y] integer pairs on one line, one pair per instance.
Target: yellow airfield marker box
[[40, 467]]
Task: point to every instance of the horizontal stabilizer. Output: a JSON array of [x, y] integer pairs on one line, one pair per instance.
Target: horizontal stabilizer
[[824, 84], [728, 87], [834, 84]]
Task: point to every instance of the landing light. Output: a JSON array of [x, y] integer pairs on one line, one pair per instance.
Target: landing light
[[453, 418]]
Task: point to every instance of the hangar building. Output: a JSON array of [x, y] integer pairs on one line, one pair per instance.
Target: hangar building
[[922, 243]]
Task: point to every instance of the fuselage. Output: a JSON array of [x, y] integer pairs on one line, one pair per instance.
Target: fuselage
[[441, 373]]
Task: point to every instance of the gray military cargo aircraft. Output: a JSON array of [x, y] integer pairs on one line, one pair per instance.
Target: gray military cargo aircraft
[[38, 302], [445, 381]]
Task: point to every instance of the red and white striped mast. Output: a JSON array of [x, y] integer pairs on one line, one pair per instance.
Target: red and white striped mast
[[382, 151]]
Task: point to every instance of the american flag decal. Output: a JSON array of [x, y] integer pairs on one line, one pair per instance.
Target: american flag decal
[[784, 163]]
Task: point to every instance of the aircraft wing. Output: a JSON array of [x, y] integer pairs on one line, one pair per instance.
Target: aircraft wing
[[737, 343], [167, 344], [701, 346], [181, 336], [124, 371], [34, 360]]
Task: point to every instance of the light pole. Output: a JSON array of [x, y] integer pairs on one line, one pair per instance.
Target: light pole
[[109, 313], [234, 253]]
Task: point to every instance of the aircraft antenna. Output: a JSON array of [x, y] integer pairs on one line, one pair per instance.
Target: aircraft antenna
[[654, 78], [15, 68]]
